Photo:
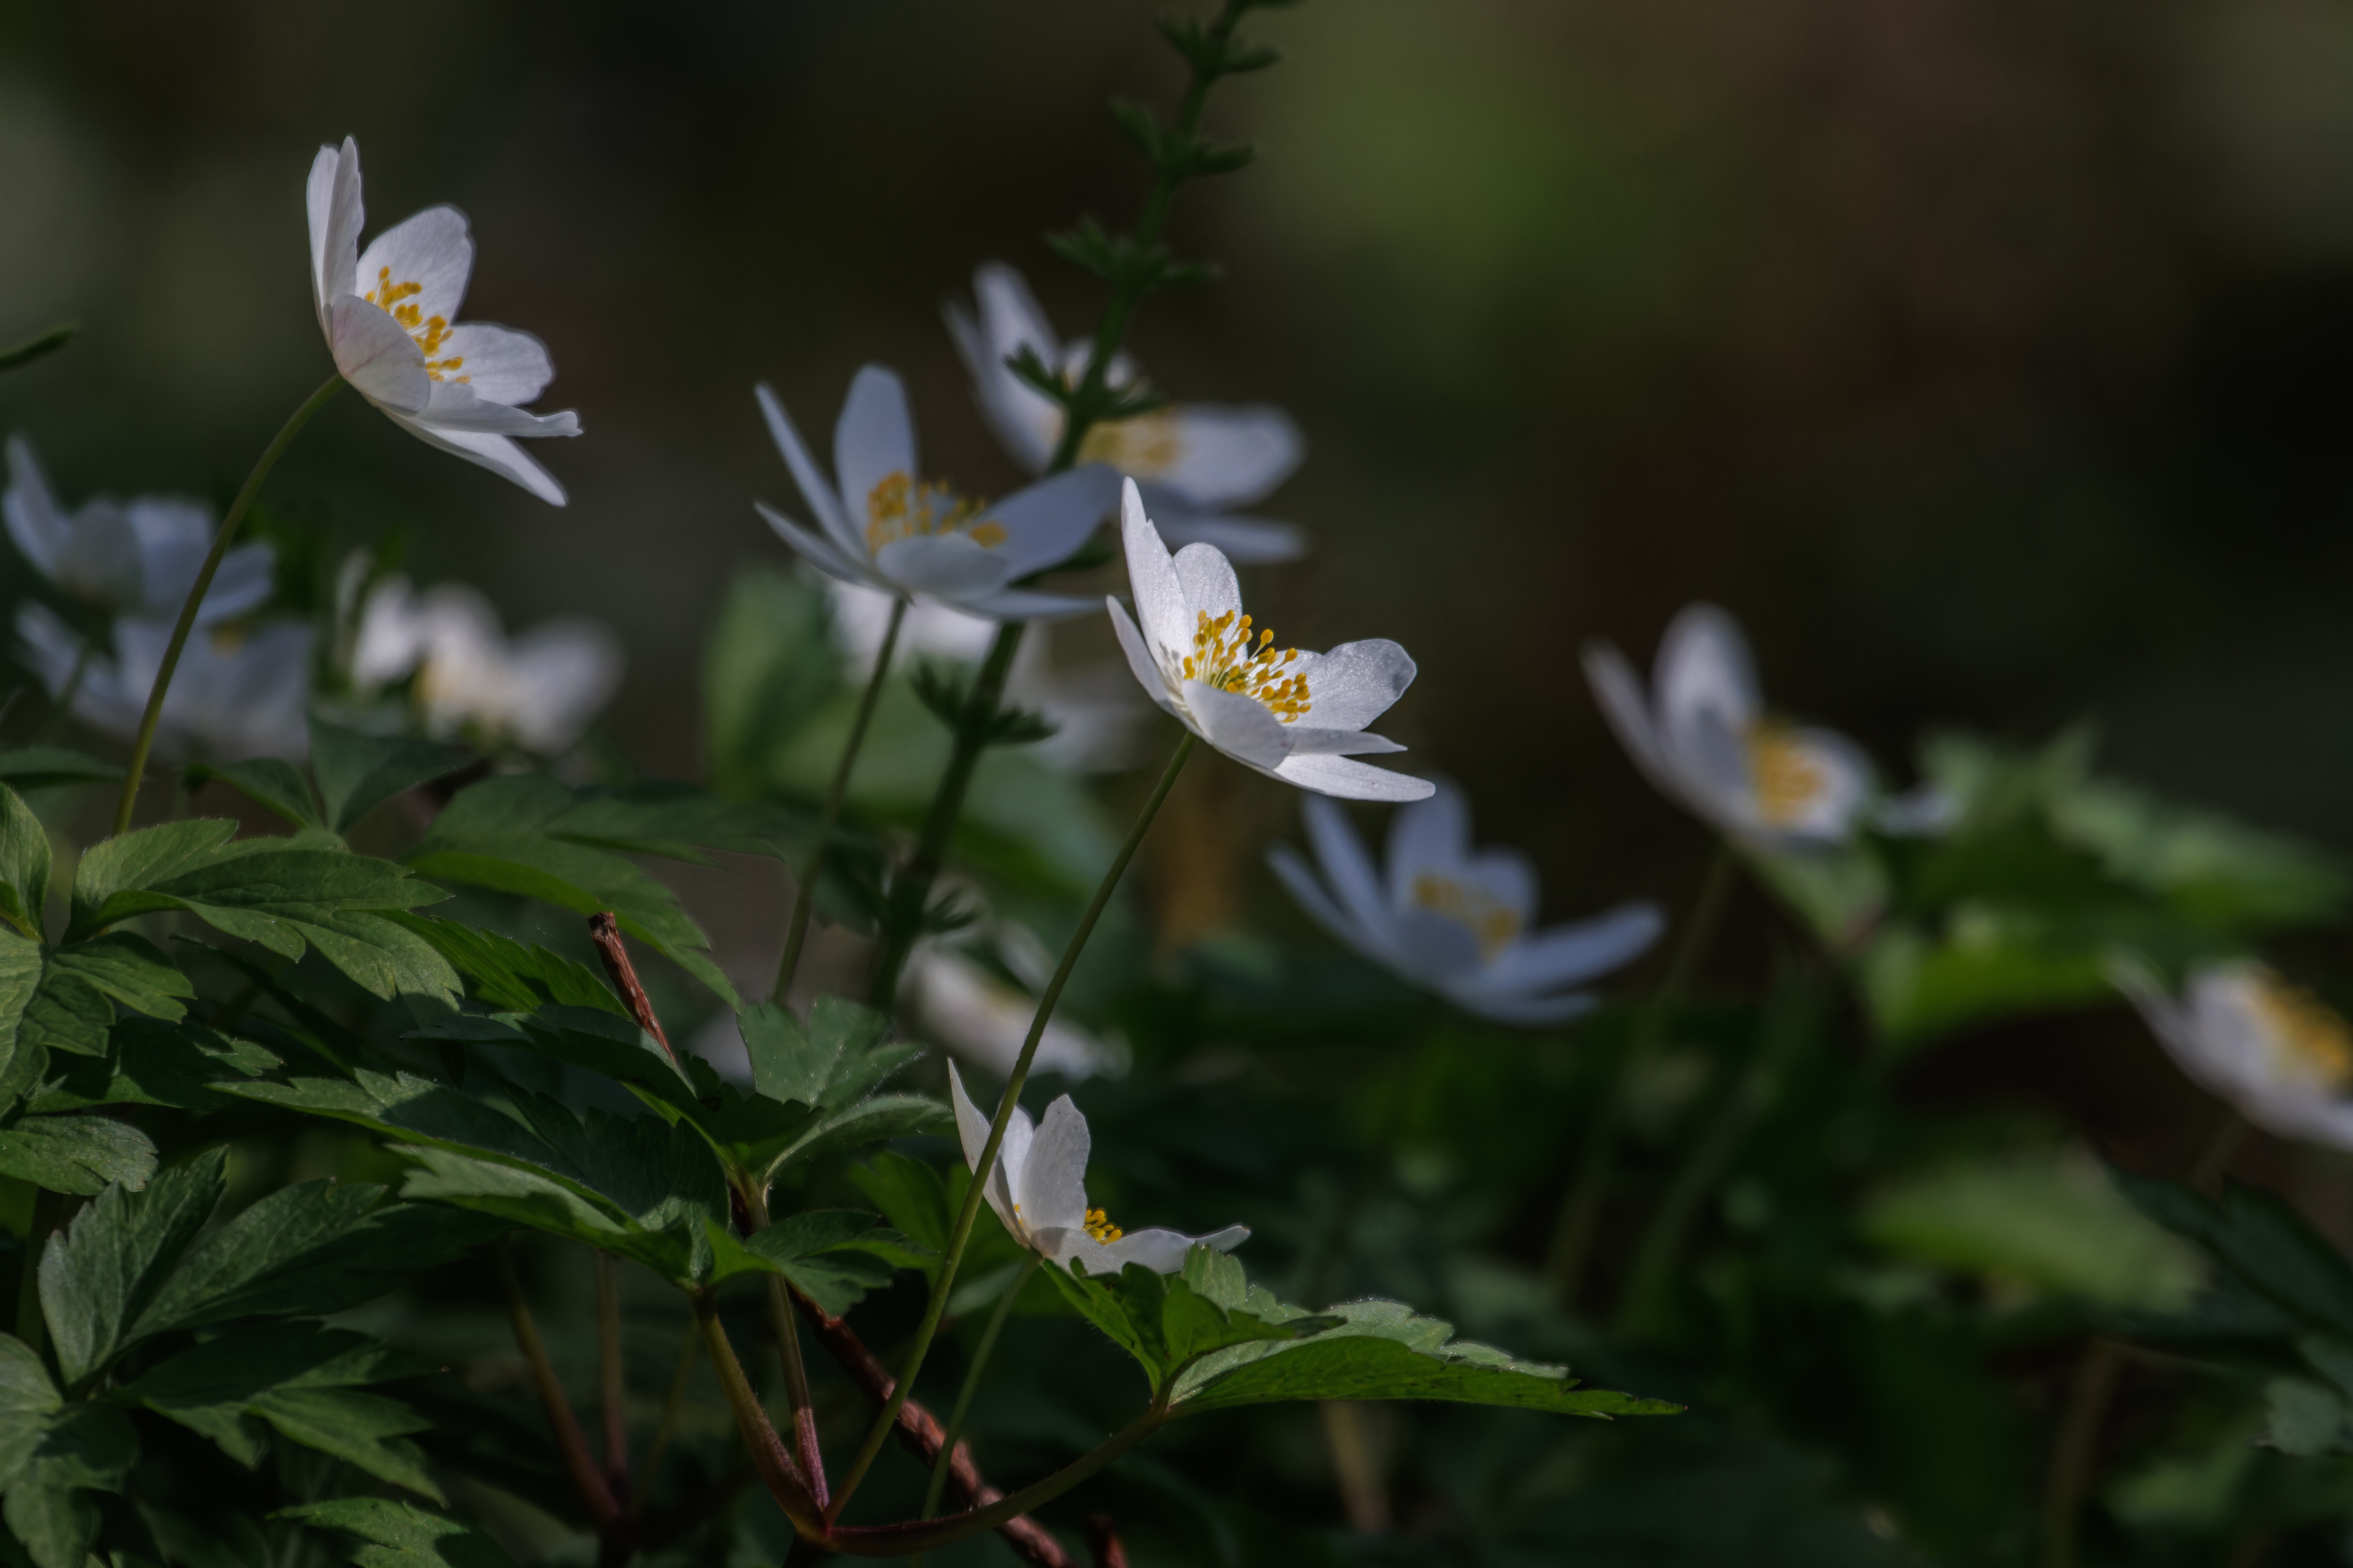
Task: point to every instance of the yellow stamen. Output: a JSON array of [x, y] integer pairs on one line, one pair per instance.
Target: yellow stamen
[[2307, 1032], [1787, 780], [1479, 912], [1224, 656], [899, 508], [1100, 1227], [429, 331], [1148, 444]]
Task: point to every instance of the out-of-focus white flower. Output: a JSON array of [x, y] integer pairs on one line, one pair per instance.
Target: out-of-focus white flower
[[979, 1017], [1094, 710], [138, 557], [538, 689], [1703, 737], [236, 694], [1039, 1188], [387, 315], [1196, 461], [1293, 716], [883, 527], [2276, 1053], [1454, 919]]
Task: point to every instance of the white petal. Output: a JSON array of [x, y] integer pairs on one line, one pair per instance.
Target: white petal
[[821, 553], [247, 577], [1619, 691], [823, 501], [391, 637], [1140, 662], [972, 1130], [34, 522], [1243, 727], [336, 216], [1025, 419], [377, 357], [1161, 610], [565, 673], [1020, 605], [1845, 791], [1350, 779], [986, 1021], [455, 406], [1163, 1251], [1290, 868], [53, 647], [1054, 1181], [1244, 540], [1705, 689], [101, 564], [1045, 522], [874, 439], [1430, 835], [950, 565], [1209, 586], [1573, 954], [1314, 740], [1354, 683], [1350, 870], [431, 250], [499, 362], [1437, 949], [1526, 1012], [497, 453], [1213, 457]]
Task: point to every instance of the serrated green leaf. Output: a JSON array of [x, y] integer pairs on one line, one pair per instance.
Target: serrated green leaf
[[23, 865], [79, 1154], [509, 976], [590, 1037], [29, 1402], [129, 969], [2260, 1241], [834, 1256], [101, 1273], [23, 1058], [64, 1012], [141, 859], [1341, 1364], [389, 1534], [910, 1195], [679, 1253], [357, 773], [836, 1057], [269, 781], [84, 1447]]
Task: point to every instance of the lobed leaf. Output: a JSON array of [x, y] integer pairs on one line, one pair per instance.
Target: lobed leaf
[[388, 1534], [358, 772], [79, 1154]]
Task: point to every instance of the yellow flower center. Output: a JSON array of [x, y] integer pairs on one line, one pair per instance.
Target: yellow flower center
[[899, 508], [1787, 780], [1481, 914], [2307, 1032], [429, 331], [1148, 444], [1100, 1227], [1223, 656]]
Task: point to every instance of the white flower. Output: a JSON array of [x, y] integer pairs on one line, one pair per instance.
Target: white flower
[[2274, 1051], [1039, 1188], [236, 695], [539, 688], [1196, 461], [884, 528], [138, 557], [982, 1019], [1094, 710], [1455, 920], [1703, 737], [387, 318], [1297, 716]]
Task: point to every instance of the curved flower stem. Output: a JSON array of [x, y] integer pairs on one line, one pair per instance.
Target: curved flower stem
[[805, 892], [2076, 1450], [962, 1233], [770, 1460], [595, 1492], [180, 628], [980, 1354], [1580, 1211], [787, 1330]]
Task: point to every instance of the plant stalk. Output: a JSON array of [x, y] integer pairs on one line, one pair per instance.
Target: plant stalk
[[980, 1354], [1580, 1210], [604, 1510], [770, 1459], [642, 1486], [805, 892], [146, 742], [612, 1387], [962, 1233], [787, 1330]]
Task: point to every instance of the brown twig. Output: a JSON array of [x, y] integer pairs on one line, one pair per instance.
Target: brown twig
[[920, 1434], [1104, 1541], [604, 1510], [604, 930]]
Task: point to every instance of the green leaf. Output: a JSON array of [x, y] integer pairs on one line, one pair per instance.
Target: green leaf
[[386, 1534], [101, 1273], [2054, 1223], [84, 1447], [29, 1401], [271, 782], [24, 353], [23, 1057], [298, 1377], [79, 1154], [809, 1084], [1167, 1324], [131, 970], [592, 1037], [23, 864], [506, 975], [2259, 1241], [357, 773], [910, 1195], [839, 1056], [834, 1256], [42, 767]]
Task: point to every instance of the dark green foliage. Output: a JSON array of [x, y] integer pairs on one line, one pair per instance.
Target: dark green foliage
[[38, 346], [75, 1153], [834, 1256], [384, 1534]]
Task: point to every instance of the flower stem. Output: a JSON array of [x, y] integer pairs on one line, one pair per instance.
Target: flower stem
[[612, 1387], [787, 1330], [668, 1427], [604, 1511], [186, 623], [1580, 1210], [770, 1460], [805, 892], [980, 1354], [962, 1233]]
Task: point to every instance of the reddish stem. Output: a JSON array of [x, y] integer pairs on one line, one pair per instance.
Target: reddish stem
[[604, 930]]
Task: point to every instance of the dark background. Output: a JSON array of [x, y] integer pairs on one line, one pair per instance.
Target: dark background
[[1987, 359]]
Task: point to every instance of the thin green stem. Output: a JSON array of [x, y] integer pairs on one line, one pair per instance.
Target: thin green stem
[[1791, 1025], [186, 623], [31, 1326], [672, 1402], [962, 1233], [596, 1493], [770, 1460], [953, 1431], [786, 1325], [1580, 1210], [805, 894]]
